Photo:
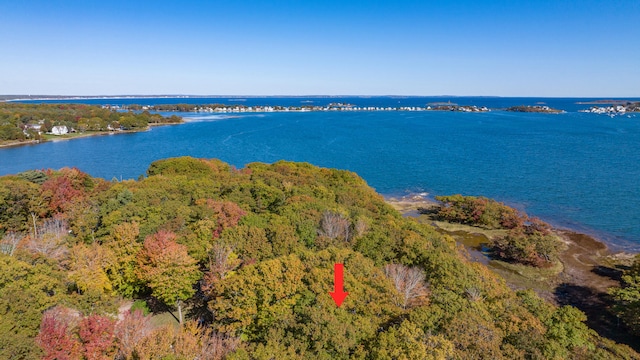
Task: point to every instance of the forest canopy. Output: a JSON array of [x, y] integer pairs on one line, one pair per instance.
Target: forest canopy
[[243, 259]]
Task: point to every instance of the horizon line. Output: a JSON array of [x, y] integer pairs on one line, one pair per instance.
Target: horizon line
[[17, 97]]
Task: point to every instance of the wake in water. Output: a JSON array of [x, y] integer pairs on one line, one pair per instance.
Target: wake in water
[[200, 118]]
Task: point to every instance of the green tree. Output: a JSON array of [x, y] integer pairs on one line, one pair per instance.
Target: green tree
[[122, 248], [408, 342], [168, 269], [628, 297], [26, 291]]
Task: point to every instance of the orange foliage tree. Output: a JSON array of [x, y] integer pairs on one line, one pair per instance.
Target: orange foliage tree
[[168, 269]]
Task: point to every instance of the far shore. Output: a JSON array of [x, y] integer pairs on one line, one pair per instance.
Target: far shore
[[73, 136], [65, 138]]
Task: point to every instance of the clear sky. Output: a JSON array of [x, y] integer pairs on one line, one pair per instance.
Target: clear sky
[[321, 47]]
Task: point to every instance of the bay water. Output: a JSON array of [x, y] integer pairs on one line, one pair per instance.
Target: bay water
[[575, 170]]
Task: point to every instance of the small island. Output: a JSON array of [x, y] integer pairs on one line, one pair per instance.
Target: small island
[[534, 109]]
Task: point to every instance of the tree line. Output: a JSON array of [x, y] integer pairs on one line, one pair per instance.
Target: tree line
[[21, 122]]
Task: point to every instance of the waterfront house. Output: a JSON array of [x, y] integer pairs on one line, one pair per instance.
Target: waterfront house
[[60, 130]]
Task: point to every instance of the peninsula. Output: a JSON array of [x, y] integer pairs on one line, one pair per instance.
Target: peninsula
[[34, 123]]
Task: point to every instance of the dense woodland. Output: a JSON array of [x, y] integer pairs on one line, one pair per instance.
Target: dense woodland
[[19, 122], [243, 258]]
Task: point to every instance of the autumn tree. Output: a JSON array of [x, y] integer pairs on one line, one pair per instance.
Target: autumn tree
[[222, 261], [408, 342], [410, 283], [122, 248], [65, 187], [528, 246], [249, 242], [479, 211], [26, 291], [198, 342], [227, 214], [87, 269], [20, 203], [50, 240], [130, 332], [258, 296], [56, 339], [168, 269], [334, 225], [284, 303], [97, 336], [216, 217], [9, 242]]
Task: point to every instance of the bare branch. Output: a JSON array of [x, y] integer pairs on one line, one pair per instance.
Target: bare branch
[[10, 242], [50, 240], [334, 225], [410, 283]]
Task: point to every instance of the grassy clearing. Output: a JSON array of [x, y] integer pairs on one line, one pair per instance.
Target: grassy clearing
[[528, 277], [454, 227], [165, 318]]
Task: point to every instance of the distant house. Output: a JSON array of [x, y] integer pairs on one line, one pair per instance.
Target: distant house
[[35, 127], [59, 130]]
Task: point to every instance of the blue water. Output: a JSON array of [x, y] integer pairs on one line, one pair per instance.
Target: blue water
[[575, 170]]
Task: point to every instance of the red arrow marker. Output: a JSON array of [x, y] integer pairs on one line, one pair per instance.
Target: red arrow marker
[[338, 294]]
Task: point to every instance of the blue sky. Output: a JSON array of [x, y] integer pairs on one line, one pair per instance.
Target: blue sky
[[502, 48]]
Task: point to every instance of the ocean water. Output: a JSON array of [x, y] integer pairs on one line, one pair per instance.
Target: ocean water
[[575, 170]]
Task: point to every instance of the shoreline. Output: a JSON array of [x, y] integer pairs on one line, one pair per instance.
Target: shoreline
[[62, 138], [84, 135], [412, 201], [408, 205], [585, 271], [586, 260]]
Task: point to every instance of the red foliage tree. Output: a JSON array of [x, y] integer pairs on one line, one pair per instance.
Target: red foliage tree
[[65, 187], [55, 339], [228, 214], [97, 335]]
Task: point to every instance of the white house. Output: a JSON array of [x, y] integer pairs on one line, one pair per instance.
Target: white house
[[59, 130]]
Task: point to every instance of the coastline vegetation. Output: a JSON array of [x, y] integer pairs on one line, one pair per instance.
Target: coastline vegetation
[[23, 123], [527, 241], [627, 297], [243, 259]]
